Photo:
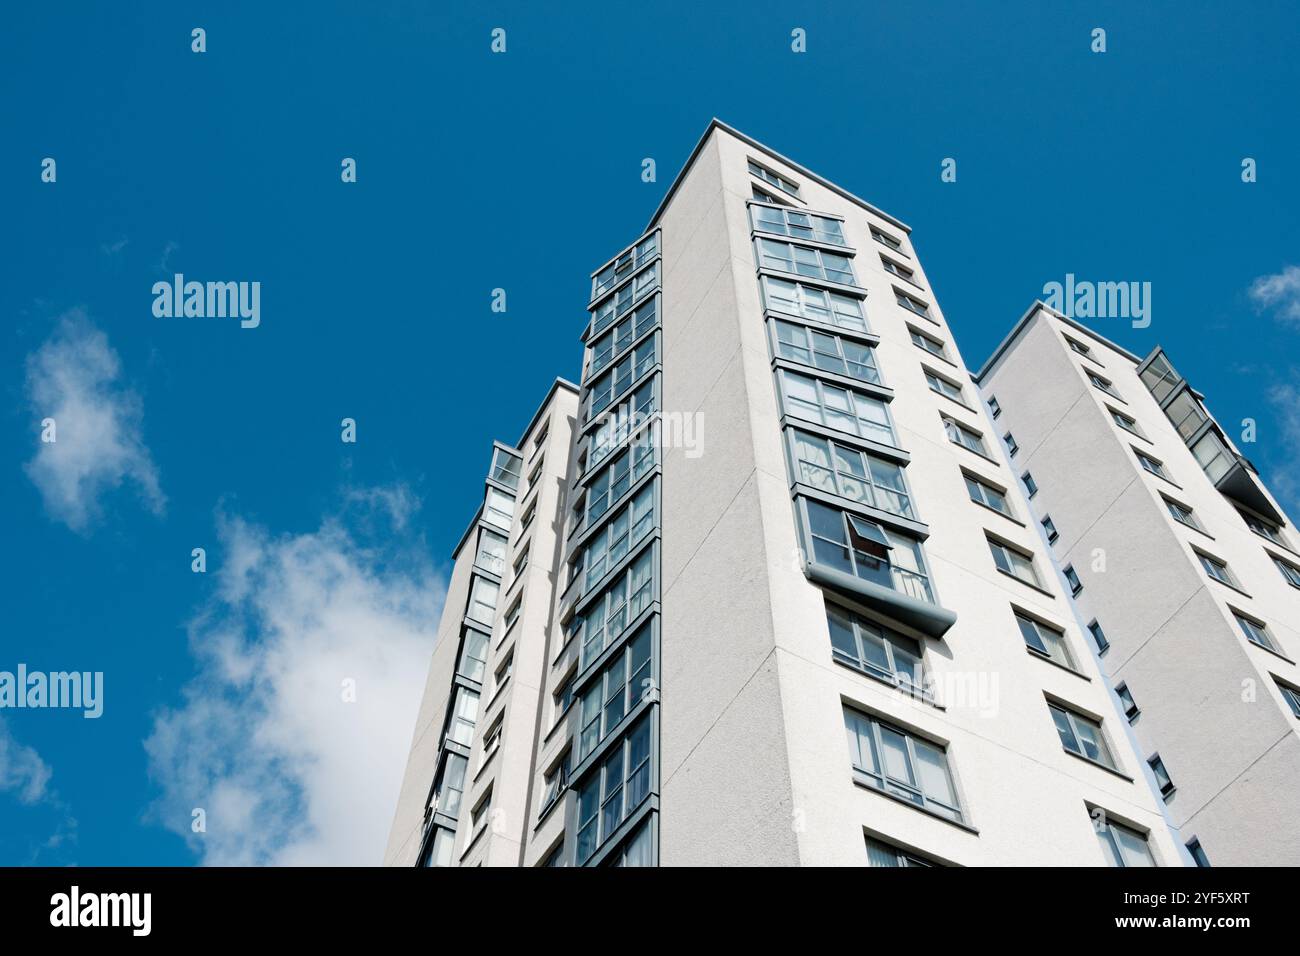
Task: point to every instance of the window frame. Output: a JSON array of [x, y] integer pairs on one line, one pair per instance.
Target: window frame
[[880, 779]]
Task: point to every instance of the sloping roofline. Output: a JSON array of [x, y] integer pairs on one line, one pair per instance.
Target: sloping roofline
[[716, 123], [1020, 326]]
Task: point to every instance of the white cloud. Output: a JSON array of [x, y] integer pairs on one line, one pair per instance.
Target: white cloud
[[74, 379], [22, 771], [1280, 293], [286, 771]]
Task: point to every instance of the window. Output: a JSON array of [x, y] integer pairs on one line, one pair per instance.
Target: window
[[878, 651], [1217, 569], [1126, 701], [617, 381], [521, 563], [816, 305], [1045, 640], [798, 225], [451, 787], [840, 408], [1150, 464], [620, 421], [1031, 486], [945, 387], [554, 782], [968, 438], [775, 179], [898, 269], [491, 556], [927, 342], [480, 815], [1256, 632], [613, 482], [491, 743], [983, 493], [563, 697], [1125, 422], [604, 349], [441, 848], [1197, 854], [1181, 513], [1291, 695], [1078, 346], [900, 763], [1072, 579], [503, 672], [1159, 377], [624, 265], [529, 514], [615, 693], [857, 546], [805, 261], [885, 239], [626, 597], [880, 853], [473, 655], [637, 850], [1013, 561], [1081, 735], [912, 303], [829, 352], [1050, 528], [1213, 456], [1289, 571], [766, 197], [1100, 383], [535, 475], [1186, 414], [1121, 845], [620, 303], [1099, 637], [994, 407], [505, 468], [499, 509], [851, 473], [1261, 527], [614, 790], [483, 600], [1012, 447], [463, 716], [1165, 784], [611, 543]]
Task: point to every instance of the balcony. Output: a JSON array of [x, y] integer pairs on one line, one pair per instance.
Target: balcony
[[882, 567]]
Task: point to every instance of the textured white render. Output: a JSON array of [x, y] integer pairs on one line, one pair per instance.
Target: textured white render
[[756, 769], [1209, 704]]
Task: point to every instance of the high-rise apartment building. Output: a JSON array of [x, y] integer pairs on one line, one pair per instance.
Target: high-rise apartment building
[[766, 589], [1183, 567]]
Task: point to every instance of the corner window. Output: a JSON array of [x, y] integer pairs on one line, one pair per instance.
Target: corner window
[[850, 473], [865, 549], [463, 716], [483, 600], [832, 353], [842, 409], [607, 617], [491, 555], [499, 509], [816, 305], [615, 693], [473, 655], [1159, 377], [805, 261], [506, 468], [900, 763], [614, 790], [451, 786], [611, 543], [798, 225]]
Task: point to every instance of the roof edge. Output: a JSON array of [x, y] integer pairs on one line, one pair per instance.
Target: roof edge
[[1022, 323]]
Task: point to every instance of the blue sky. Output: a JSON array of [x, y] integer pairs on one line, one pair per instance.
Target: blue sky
[[478, 171]]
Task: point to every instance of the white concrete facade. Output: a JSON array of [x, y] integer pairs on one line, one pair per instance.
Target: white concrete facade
[[1210, 701]]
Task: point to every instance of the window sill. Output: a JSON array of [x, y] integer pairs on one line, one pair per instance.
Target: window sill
[[871, 788], [956, 401], [863, 672], [1099, 765], [1192, 527], [1232, 587], [1270, 650], [1040, 590], [1277, 544], [977, 454], [1037, 655], [996, 512]]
